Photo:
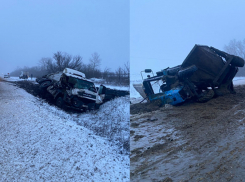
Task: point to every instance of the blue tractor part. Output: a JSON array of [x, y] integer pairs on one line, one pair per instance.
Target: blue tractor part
[[172, 97], [169, 94]]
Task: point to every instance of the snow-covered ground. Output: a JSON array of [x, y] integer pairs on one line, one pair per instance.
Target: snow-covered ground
[[18, 79], [239, 81], [40, 142]]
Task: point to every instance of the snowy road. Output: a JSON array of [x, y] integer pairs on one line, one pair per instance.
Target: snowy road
[[40, 144]]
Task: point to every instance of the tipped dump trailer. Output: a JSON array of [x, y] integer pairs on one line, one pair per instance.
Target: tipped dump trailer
[[204, 73]]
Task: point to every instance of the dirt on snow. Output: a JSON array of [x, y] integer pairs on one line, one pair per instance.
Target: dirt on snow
[[190, 142]]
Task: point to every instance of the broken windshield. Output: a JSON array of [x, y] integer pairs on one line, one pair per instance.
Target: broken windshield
[[82, 84]]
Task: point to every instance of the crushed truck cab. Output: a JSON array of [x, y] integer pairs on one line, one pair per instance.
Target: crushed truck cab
[[72, 89], [206, 72]]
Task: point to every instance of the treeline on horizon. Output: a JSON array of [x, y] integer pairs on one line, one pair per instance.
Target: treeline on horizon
[[61, 60]]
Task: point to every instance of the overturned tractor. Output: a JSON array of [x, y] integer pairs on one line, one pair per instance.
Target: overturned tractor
[[204, 73]]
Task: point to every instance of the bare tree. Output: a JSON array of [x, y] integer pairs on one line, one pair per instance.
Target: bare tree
[[76, 63], [47, 65], [95, 61], [59, 62], [106, 73], [237, 48], [127, 70], [59, 58], [43, 63], [119, 74], [64, 60]]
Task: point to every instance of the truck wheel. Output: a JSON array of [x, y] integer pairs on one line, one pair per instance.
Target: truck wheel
[[206, 96], [45, 84], [224, 89], [60, 102], [91, 106], [218, 92], [97, 106], [237, 61], [77, 103]]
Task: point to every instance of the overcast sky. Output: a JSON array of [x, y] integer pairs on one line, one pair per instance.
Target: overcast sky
[[162, 33], [30, 30]]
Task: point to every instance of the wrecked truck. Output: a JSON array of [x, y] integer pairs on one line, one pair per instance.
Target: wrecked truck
[[24, 75], [206, 72], [71, 89]]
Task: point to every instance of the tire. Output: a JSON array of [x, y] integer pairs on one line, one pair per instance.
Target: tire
[[60, 102], [97, 106], [237, 61], [224, 89], [45, 84], [91, 106], [77, 103], [218, 92], [206, 96]]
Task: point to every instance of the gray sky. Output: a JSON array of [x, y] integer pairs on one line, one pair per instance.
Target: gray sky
[[30, 30], [162, 33]]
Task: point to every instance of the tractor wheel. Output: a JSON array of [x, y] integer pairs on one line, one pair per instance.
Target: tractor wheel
[[206, 96], [60, 102]]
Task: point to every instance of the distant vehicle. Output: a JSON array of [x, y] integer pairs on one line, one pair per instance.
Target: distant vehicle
[[6, 76], [24, 75]]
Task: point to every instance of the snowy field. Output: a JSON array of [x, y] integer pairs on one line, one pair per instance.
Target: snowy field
[[18, 79], [98, 82], [40, 142]]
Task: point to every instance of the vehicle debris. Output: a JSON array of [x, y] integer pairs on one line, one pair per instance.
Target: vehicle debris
[[206, 72], [71, 89]]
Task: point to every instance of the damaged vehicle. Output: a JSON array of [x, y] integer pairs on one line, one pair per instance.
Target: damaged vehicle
[[24, 75], [71, 89], [206, 72]]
